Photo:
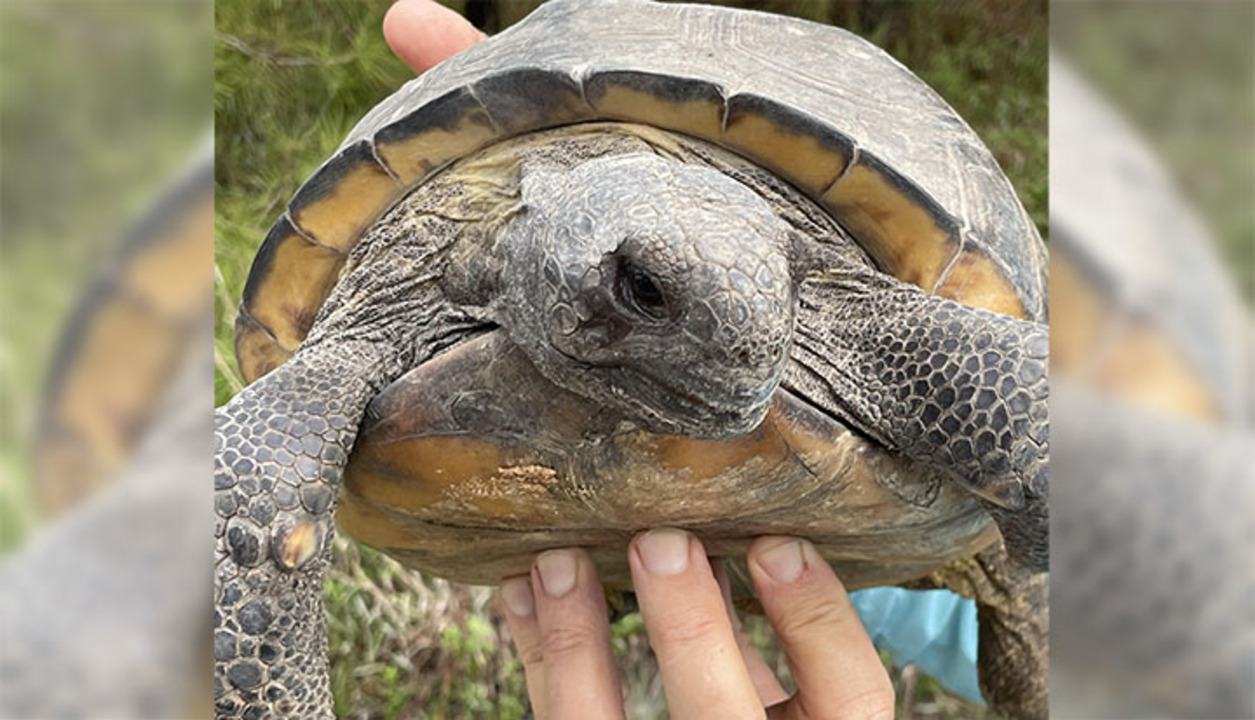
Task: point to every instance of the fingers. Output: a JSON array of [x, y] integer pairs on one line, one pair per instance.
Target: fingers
[[520, 606], [765, 682], [423, 33], [701, 667], [558, 620], [837, 670]]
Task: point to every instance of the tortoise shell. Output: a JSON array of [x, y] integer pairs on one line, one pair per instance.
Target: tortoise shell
[[839, 120]]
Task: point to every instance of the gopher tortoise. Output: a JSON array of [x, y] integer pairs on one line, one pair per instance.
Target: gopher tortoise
[[626, 265], [104, 386]]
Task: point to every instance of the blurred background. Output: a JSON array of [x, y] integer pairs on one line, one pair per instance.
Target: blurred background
[[105, 284], [101, 105], [1153, 501]]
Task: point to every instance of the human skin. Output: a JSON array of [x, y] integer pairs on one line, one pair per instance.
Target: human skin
[[557, 613]]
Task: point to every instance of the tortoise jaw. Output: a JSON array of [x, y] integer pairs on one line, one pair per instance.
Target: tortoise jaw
[[493, 372], [688, 413]]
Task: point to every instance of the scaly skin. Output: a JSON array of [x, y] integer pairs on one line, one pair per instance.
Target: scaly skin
[[1014, 645], [280, 450], [705, 359], [953, 386]]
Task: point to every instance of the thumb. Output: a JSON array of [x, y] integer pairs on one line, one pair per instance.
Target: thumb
[[423, 33]]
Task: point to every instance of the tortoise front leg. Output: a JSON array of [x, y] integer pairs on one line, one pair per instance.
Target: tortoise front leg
[[280, 449], [1013, 656], [958, 388]]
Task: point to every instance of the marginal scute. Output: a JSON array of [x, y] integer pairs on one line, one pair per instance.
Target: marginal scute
[[693, 107], [975, 280], [894, 221], [255, 349], [810, 154], [343, 198], [101, 406], [172, 278], [1131, 358], [889, 192], [529, 99], [450, 127], [102, 387], [288, 283]]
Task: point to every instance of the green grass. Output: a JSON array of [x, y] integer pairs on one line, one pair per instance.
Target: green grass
[[293, 78]]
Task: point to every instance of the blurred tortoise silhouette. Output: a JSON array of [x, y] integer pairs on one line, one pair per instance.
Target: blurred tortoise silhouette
[[1153, 569], [125, 343], [104, 609], [627, 265]]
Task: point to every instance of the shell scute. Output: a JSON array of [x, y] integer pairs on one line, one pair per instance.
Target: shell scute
[[288, 283], [811, 153], [445, 129], [688, 105], [528, 98], [343, 197]]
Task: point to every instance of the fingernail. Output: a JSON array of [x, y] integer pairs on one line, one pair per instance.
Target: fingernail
[[557, 572], [664, 552], [784, 562], [517, 593]]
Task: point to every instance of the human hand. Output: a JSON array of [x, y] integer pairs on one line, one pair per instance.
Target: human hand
[[557, 616], [422, 33]]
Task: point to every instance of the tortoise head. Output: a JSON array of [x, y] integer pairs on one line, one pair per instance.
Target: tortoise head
[[656, 288]]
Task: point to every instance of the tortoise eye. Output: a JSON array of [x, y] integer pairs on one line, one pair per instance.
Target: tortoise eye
[[641, 291]]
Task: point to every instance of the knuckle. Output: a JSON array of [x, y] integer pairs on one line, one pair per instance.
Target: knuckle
[[566, 640], [685, 628], [806, 617], [532, 655], [875, 703]]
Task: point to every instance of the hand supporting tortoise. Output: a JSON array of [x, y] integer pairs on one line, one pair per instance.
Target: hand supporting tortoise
[[558, 619]]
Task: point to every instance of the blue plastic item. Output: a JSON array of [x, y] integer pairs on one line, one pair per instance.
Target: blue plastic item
[[935, 630]]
